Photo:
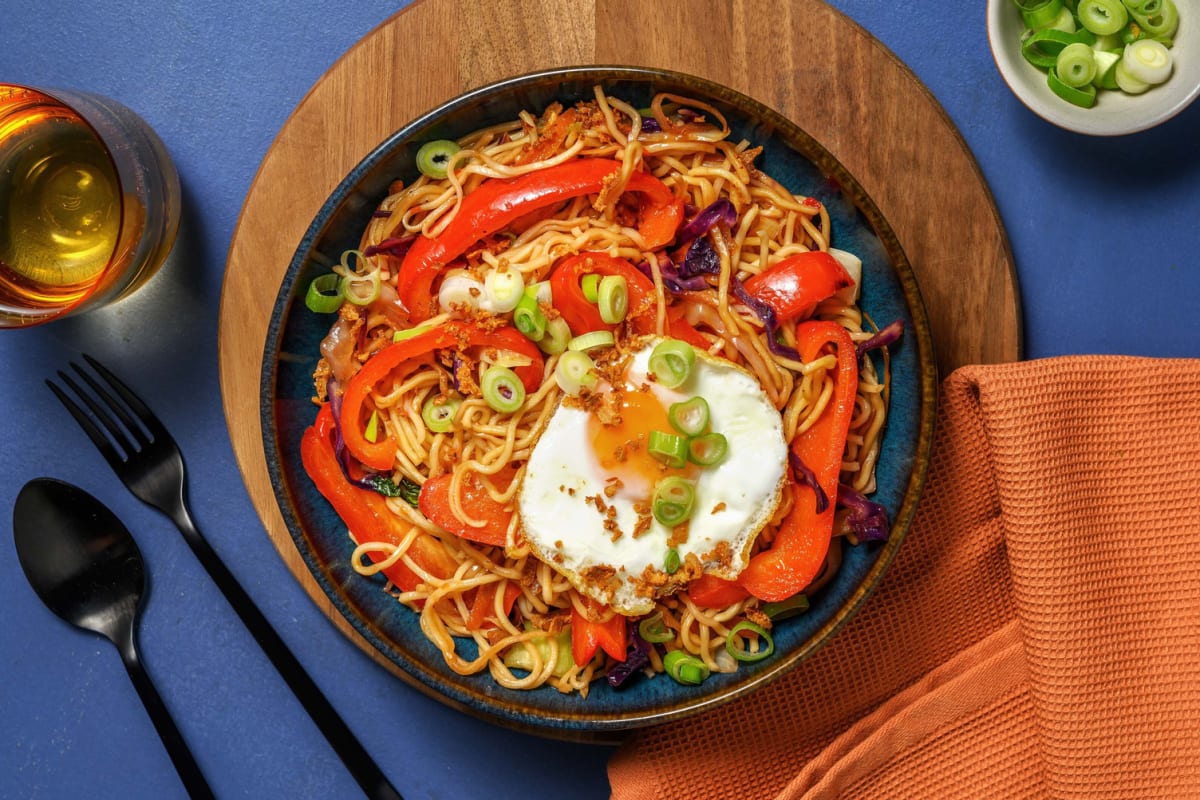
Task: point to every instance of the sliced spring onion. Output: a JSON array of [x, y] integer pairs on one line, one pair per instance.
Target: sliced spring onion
[[591, 341], [434, 157], [502, 389], [1160, 22], [362, 290], [689, 417], [793, 606], [766, 645], [685, 668], [612, 298], [669, 448], [1075, 65], [438, 413], [459, 288], [529, 318], [558, 333], [502, 290], [1147, 61], [408, 333], [1128, 83], [324, 294], [558, 647], [1106, 65], [1084, 96], [371, 432], [1042, 48], [707, 450], [673, 500], [672, 562], [671, 362], [591, 287], [1040, 15], [654, 629], [574, 372], [1102, 17], [541, 292], [1064, 21]]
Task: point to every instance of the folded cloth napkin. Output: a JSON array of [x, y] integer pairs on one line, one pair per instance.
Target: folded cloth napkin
[[1038, 634]]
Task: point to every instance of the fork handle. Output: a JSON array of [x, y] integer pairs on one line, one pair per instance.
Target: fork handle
[[360, 764]]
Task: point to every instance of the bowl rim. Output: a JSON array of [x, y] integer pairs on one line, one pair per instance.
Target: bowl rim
[[1006, 57], [602, 726]]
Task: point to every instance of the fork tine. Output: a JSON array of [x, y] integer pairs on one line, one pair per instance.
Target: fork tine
[[102, 443], [114, 406], [100, 414], [147, 417]]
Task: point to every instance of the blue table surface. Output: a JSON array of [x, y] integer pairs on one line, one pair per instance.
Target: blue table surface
[[1104, 233]]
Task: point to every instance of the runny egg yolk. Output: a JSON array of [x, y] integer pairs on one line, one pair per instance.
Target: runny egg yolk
[[621, 448]]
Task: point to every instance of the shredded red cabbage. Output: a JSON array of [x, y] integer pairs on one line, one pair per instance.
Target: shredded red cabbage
[[637, 655], [720, 211], [888, 335], [806, 476], [381, 214], [867, 519], [650, 125], [672, 278], [393, 247]]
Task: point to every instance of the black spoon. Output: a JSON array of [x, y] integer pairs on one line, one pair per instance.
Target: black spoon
[[88, 570]]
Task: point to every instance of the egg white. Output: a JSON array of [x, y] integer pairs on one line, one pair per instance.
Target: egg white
[[734, 499]]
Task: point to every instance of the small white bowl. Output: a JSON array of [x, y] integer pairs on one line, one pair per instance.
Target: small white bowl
[[1115, 112]]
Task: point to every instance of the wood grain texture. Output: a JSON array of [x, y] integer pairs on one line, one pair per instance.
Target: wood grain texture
[[824, 72]]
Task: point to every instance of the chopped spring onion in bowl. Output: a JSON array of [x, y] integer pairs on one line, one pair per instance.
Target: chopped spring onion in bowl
[[1143, 60]]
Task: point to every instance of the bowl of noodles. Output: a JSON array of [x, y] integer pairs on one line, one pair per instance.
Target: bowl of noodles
[[597, 397]]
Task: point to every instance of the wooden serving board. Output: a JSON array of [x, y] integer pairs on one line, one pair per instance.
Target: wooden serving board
[[822, 71]]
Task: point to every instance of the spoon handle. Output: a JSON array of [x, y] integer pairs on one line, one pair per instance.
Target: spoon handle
[[189, 772]]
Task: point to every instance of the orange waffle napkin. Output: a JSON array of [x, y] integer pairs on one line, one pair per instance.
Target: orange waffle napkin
[[1038, 634]]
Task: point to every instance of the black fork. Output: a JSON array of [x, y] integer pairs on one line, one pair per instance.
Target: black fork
[[146, 459]]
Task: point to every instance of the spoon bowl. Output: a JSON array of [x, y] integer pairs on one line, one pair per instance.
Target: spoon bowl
[[86, 567]]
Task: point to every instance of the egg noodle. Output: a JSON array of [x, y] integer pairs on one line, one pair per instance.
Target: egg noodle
[[687, 145]]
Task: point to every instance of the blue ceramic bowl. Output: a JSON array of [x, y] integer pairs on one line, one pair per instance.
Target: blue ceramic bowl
[[889, 292]]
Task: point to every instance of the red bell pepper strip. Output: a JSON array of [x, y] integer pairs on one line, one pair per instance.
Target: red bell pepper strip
[[587, 635], [802, 542], [798, 283], [483, 604], [366, 512], [408, 354], [496, 203], [583, 316], [434, 503]]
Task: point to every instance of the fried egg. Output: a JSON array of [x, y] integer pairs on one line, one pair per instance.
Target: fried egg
[[586, 496]]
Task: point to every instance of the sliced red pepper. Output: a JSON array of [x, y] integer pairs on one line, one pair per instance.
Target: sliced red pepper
[[496, 203], [799, 282], [679, 328], [587, 636], [434, 503], [366, 512], [802, 542], [483, 604], [583, 316], [405, 356]]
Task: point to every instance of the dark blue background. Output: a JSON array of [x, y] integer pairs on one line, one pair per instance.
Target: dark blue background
[[1104, 233]]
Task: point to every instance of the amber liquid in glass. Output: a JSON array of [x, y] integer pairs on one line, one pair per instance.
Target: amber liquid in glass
[[60, 203]]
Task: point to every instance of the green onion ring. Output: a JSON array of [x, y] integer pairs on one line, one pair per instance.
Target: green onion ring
[[793, 606], [1042, 48], [708, 450], [590, 341], [1076, 66], [673, 500], [529, 318], [612, 298], [574, 371], [324, 294], [671, 362], [668, 448], [434, 157], [766, 642], [556, 337], [671, 562], [1042, 14], [685, 668], [1084, 96], [438, 413], [689, 417], [502, 389], [1102, 17], [590, 284], [654, 629]]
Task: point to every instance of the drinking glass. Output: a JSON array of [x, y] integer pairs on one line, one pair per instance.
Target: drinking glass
[[89, 203]]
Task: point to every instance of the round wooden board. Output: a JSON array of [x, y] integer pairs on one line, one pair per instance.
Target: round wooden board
[[828, 75]]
